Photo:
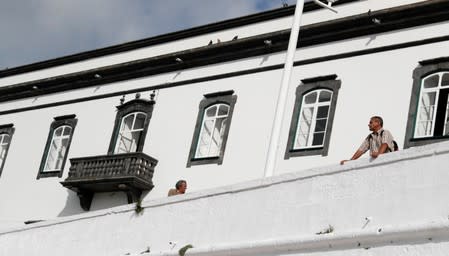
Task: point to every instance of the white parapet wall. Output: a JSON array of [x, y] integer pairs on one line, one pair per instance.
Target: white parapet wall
[[394, 205]]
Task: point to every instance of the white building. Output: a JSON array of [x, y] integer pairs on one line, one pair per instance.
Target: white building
[[85, 132]]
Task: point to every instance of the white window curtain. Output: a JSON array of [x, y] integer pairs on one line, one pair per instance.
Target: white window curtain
[[212, 130], [313, 119], [428, 102], [131, 130], [58, 148], [4, 141]]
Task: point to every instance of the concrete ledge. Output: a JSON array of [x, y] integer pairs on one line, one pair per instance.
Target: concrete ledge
[[417, 234], [398, 198]]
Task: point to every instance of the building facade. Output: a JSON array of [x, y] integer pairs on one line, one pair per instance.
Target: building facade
[[122, 124]]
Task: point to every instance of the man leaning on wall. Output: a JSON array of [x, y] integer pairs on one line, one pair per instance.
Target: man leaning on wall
[[180, 188], [379, 141]]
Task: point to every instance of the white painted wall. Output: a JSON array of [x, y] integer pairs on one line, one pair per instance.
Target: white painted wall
[[402, 194]]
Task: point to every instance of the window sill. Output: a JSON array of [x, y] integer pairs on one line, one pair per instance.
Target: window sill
[[47, 174], [205, 160], [305, 152], [424, 141]]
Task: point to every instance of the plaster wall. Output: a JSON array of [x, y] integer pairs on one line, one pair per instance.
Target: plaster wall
[[394, 205], [316, 16]]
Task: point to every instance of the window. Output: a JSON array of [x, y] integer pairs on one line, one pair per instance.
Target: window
[[432, 116], [130, 132], [212, 128], [428, 119], [131, 125], [313, 116], [6, 132], [57, 146]]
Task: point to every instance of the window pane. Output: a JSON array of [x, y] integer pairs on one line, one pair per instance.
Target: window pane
[[125, 142], [217, 137], [52, 155], [127, 123], [424, 128], [304, 128], [58, 131], [322, 112], [428, 99], [67, 130], [431, 82], [4, 139], [445, 79], [320, 125], [446, 122], [318, 139], [223, 110], [307, 114], [140, 121], [325, 96], [426, 114], [211, 111], [310, 98], [61, 153], [3, 151], [301, 140], [205, 139]]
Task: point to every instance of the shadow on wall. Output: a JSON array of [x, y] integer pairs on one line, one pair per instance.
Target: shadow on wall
[[72, 205], [100, 201]]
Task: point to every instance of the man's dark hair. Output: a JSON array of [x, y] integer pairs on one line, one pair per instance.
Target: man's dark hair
[[379, 119], [179, 183]]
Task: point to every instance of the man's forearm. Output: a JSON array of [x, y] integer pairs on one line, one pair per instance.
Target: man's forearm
[[357, 154]]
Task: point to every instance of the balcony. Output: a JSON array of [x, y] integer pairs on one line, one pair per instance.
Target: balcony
[[131, 173]]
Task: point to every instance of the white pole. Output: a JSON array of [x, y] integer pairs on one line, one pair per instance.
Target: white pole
[[282, 97]]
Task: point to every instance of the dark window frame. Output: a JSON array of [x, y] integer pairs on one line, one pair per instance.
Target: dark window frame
[[133, 106], [426, 68], [6, 129], [226, 97], [59, 121], [328, 82]]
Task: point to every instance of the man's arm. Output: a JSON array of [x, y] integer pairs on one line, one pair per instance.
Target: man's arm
[[382, 149], [356, 155]]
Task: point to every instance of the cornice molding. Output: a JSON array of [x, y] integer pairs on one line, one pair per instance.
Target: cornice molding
[[165, 38]]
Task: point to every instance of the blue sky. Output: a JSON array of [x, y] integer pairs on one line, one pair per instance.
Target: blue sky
[[37, 30]]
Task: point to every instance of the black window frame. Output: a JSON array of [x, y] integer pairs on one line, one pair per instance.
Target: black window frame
[[425, 68], [328, 82], [132, 106], [226, 97], [6, 129], [69, 120]]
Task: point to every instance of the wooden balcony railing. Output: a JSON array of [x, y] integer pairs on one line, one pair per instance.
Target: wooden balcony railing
[[130, 172]]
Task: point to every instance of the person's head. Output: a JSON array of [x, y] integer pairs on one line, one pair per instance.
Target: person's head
[[181, 186], [375, 123]]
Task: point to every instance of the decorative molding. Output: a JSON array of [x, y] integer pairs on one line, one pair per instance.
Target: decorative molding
[[236, 73]]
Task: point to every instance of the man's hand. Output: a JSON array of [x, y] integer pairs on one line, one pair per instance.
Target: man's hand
[[342, 162], [375, 154]]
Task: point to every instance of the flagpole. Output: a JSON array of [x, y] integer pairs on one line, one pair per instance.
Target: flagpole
[[273, 148]]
